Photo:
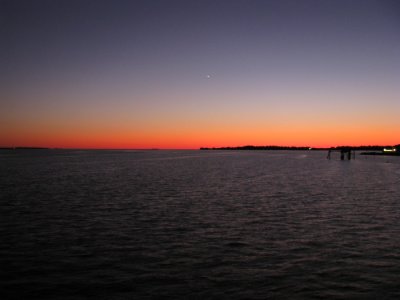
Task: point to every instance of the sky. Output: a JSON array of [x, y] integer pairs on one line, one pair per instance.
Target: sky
[[189, 74]]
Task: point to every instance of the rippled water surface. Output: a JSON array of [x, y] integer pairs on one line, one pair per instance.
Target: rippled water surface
[[199, 224]]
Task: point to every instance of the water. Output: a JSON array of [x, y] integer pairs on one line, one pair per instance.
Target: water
[[199, 224]]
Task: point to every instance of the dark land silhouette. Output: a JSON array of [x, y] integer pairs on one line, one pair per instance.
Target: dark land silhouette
[[23, 148], [369, 149], [388, 150], [251, 147]]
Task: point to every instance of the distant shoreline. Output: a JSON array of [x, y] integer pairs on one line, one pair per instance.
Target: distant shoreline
[[259, 148], [24, 148], [371, 149], [250, 147]]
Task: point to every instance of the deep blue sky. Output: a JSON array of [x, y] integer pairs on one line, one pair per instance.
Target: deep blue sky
[[145, 65]]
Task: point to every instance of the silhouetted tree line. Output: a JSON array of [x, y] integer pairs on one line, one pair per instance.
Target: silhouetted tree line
[[23, 148], [355, 148], [370, 147], [250, 147]]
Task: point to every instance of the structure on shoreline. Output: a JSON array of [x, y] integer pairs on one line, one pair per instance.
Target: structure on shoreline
[[386, 151], [344, 152]]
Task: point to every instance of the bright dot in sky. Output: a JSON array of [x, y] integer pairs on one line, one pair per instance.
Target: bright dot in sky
[[208, 76]]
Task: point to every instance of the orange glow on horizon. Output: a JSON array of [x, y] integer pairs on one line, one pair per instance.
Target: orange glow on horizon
[[194, 137]]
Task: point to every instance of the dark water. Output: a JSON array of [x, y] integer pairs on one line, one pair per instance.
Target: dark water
[[198, 224]]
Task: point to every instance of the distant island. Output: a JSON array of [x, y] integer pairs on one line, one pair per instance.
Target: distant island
[[367, 149], [23, 148], [250, 147], [372, 149]]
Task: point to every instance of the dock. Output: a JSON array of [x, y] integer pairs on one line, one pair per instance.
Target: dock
[[345, 152]]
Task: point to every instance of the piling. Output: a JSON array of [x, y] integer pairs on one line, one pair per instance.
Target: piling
[[345, 152]]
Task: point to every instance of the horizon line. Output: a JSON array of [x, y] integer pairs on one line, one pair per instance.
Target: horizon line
[[197, 148]]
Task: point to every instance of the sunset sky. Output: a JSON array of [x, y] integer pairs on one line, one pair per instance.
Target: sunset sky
[[186, 74]]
